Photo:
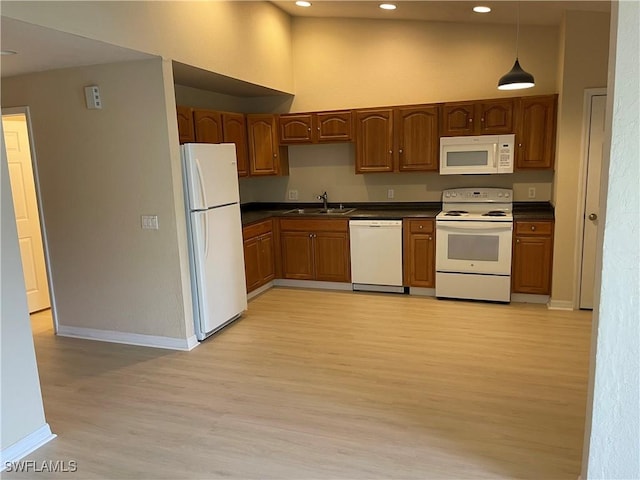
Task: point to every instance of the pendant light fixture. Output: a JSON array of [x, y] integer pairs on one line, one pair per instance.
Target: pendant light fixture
[[516, 78]]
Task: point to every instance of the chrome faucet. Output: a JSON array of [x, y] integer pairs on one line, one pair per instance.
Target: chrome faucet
[[323, 197]]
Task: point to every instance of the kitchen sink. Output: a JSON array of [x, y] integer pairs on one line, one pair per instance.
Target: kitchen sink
[[319, 211]]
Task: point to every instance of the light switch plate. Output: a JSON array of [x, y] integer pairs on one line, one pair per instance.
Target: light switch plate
[[293, 194], [149, 222], [390, 193]]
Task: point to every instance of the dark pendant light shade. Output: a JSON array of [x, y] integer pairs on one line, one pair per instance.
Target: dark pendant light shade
[[516, 79]]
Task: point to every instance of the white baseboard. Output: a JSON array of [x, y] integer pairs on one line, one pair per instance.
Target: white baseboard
[[169, 343], [259, 291], [560, 305], [24, 447], [529, 298], [423, 292], [283, 282]]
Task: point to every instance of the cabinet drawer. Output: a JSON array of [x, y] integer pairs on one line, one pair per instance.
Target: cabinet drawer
[[313, 225], [534, 228], [256, 229], [420, 226]]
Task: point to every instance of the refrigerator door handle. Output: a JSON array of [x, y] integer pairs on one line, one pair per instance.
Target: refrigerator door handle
[[201, 184], [206, 236]]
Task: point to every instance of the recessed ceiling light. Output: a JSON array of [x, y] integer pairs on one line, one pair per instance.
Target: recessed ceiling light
[[302, 3], [387, 6], [7, 52], [481, 9]]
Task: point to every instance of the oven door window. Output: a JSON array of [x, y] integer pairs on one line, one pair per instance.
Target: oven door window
[[483, 248], [473, 247]]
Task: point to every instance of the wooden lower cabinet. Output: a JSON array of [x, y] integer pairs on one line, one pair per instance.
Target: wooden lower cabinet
[[315, 249], [532, 257], [419, 239], [259, 260]]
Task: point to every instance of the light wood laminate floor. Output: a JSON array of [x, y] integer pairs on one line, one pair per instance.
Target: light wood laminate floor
[[323, 385]]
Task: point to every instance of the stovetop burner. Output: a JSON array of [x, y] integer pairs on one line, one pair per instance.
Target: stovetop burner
[[456, 213], [495, 213]]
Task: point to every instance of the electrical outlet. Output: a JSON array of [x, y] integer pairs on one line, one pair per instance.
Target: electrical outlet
[[532, 192], [293, 194], [390, 193]]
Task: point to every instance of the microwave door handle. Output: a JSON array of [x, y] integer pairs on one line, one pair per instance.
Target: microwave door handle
[[495, 153]]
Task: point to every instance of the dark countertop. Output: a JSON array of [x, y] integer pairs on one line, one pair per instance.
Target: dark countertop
[[533, 211], [255, 212]]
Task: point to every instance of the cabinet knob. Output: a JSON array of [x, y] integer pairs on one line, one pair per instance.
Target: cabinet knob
[[533, 228], [390, 152], [517, 240], [275, 155], [318, 128], [520, 145], [482, 119], [430, 237], [471, 120], [420, 226], [309, 129], [400, 151]]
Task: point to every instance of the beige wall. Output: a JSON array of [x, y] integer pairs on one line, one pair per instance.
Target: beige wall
[[314, 169], [349, 63], [249, 41], [21, 411], [99, 171], [583, 65]]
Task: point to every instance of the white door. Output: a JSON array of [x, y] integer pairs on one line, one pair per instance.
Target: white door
[[219, 267], [26, 210], [592, 199], [212, 174]]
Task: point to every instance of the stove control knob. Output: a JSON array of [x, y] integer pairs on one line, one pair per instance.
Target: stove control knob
[[507, 195], [454, 194], [499, 194]]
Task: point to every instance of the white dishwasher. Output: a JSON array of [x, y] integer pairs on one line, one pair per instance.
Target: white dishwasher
[[376, 255]]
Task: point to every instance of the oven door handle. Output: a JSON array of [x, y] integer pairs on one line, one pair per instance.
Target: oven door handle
[[466, 226]]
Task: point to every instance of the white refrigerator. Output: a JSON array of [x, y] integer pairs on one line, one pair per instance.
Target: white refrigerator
[[214, 232]]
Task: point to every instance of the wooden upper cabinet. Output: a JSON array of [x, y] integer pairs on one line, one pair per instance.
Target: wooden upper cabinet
[[536, 132], [458, 119], [265, 155], [295, 128], [496, 117], [234, 128], [208, 126], [484, 117], [416, 138], [374, 140], [317, 127], [186, 132], [333, 126]]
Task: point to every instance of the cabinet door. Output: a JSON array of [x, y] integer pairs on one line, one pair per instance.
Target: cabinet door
[[234, 130], [417, 140], [185, 125], [536, 132], [333, 126], [252, 263], [374, 141], [496, 117], [266, 258], [458, 119], [295, 128], [297, 255], [265, 157], [419, 253], [332, 259], [208, 126], [532, 260]]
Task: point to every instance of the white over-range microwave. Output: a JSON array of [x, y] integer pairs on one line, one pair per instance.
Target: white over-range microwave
[[483, 154]]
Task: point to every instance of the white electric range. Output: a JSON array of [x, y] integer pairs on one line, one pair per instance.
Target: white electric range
[[473, 244]]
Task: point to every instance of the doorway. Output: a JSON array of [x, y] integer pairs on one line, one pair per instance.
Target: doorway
[[16, 129], [594, 125]]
